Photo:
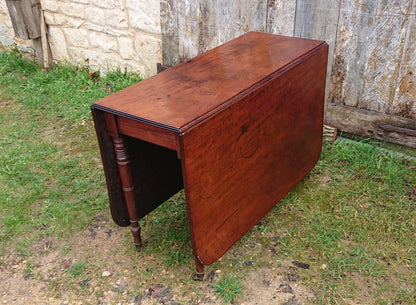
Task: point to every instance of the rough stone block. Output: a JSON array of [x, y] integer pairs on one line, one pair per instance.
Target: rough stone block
[[116, 19], [50, 5], [150, 49], [5, 38], [67, 21], [109, 4], [76, 55], [105, 43], [95, 15], [4, 18], [72, 9], [144, 15], [58, 44], [49, 17], [109, 33], [103, 29], [3, 7], [77, 37], [126, 48]]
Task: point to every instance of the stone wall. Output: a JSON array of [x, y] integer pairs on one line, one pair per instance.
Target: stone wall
[[108, 34]]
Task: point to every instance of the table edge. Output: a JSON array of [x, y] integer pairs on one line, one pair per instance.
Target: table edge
[[182, 129]]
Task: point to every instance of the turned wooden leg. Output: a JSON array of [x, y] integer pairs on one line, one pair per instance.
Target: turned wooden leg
[[199, 273], [123, 162]]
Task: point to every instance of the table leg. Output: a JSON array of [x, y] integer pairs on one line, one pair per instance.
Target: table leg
[[123, 162], [199, 273]]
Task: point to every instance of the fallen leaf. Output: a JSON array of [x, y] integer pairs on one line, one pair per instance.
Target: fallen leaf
[[301, 265], [405, 161], [67, 263]]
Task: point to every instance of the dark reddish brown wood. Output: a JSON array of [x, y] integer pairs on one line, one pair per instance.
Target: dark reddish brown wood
[[123, 162], [199, 272], [246, 121], [124, 171], [156, 170], [189, 92], [148, 133], [111, 124], [115, 191], [242, 161]]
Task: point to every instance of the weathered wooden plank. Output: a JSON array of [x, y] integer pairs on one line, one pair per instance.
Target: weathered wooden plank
[[223, 20], [318, 19], [31, 12], [170, 32], [305, 12], [404, 101], [355, 26], [37, 46], [191, 27], [372, 124], [235, 18], [281, 17], [16, 15], [385, 45], [208, 30]]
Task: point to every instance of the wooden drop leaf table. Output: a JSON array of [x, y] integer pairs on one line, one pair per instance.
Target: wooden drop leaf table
[[237, 127]]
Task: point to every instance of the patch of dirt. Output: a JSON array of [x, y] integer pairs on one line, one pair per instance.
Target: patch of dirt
[[17, 289], [113, 273], [5, 104], [276, 286]]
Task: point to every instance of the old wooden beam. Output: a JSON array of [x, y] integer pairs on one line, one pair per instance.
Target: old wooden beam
[[372, 124]]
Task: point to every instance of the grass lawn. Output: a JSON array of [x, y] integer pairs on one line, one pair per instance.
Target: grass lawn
[[345, 235]]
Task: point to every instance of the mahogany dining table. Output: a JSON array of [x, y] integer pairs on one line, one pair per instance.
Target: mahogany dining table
[[236, 127]]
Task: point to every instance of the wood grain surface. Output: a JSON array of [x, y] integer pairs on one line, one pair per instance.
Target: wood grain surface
[[238, 164], [238, 127], [185, 94]]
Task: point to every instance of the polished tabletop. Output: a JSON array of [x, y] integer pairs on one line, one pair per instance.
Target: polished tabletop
[[172, 99]]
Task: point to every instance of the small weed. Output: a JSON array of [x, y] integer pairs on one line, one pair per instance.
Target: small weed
[[264, 228], [29, 269], [229, 289], [66, 250], [53, 285], [98, 293], [77, 269]]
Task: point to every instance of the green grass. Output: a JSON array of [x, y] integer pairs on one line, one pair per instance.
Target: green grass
[[49, 164], [229, 289], [352, 219], [77, 269], [168, 233]]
